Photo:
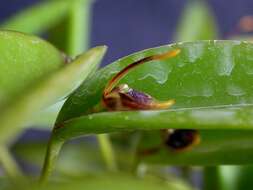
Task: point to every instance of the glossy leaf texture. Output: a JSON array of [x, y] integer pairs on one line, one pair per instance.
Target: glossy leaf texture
[[38, 18], [211, 83], [204, 74], [238, 117], [207, 74], [196, 23], [47, 91]]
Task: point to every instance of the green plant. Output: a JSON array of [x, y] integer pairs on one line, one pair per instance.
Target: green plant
[[209, 80]]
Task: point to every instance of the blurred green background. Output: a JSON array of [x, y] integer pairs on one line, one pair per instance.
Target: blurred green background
[[125, 27]]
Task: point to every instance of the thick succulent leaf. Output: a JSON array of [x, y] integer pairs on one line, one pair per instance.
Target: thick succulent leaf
[[38, 18], [196, 23], [238, 117], [217, 147], [208, 74], [210, 81], [205, 73], [47, 92], [24, 61], [228, 142]]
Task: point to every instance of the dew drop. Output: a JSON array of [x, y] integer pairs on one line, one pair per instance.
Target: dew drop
[[158, 72], [226, 63], [235, 90], [194, 52]]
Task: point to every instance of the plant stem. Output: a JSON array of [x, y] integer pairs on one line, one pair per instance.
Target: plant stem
[[107, 151], [72, 34], [72, 37], [79, 27], [53, 149], [9, 164], [232, 176], [212, 178], [186, 172]]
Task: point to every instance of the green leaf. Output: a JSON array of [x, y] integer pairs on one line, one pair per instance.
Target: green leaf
[[227, 142], [47, 92], [215, 75], [47, 117], [205, 73], [217, 147], [196, 23], [38, 18], [238, 117], [24, 60]]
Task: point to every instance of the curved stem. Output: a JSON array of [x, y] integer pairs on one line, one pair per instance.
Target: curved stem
[[107, 151], [9, 164], [73, 40], [53, 149]]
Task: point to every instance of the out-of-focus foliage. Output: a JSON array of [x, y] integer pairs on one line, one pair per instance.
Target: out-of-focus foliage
[[209, 80], [38, 81], [111, 181], [38, 18], [25, 60], [197, 23]]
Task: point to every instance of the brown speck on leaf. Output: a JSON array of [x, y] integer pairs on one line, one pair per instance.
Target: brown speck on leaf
[[148, 152], [57, 126], [182, 139], [66, 58]]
